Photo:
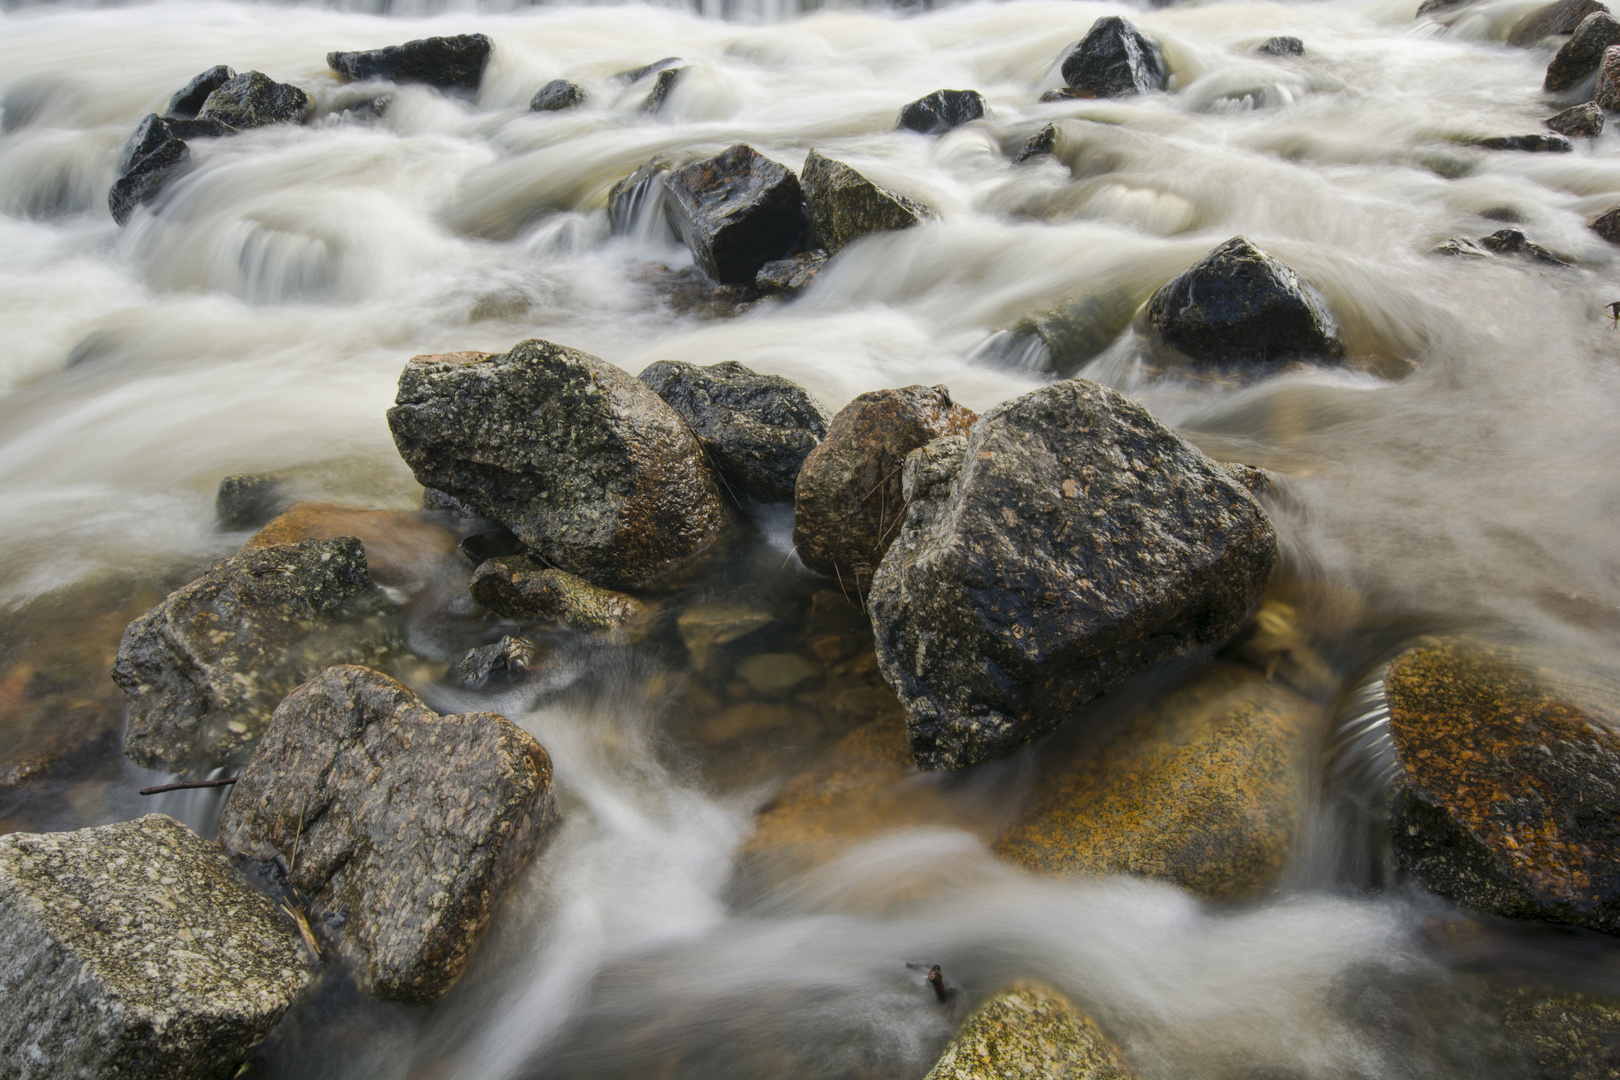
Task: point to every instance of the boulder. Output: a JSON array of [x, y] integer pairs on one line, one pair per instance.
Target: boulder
[[496, 664], [756, 429], [146, 178], [1606, 95], [556, 95], [1582, 53], [1581, 121], [519, 587], [1029, 1031], [449, 63], [402, 549], [845, 206], [1238, 304], [1607, 225], [402, 828], [135, 950], [663, 86], [190, 97], [587, 466], [205, 669], [1506, 786], [1535, 143], [706, 627], [939, 112], [154, 130], [630, 196], [1206, 790], [253, 99], [737, 212], [248, 500], [1115, 59], [1039, 144], [1562, 17], [847, 504], [791, 276], [1281, 46], [1070, 541], [1515, 242]]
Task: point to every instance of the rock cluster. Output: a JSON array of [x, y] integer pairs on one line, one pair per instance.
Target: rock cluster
[[253, 99], [1562, 17], [1583, 52]]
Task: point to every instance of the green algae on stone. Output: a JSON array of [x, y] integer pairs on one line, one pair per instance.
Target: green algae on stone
[[1030, 1032]]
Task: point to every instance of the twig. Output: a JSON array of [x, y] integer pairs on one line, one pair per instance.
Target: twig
[[161, 788], [293, 865]]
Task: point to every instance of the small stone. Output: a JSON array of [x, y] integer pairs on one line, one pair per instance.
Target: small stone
[[663, 86], [1115, 59], [1581, 121], [635, 75], [1562, 17], [556, 95], [790, 277], [1460, 247], [706, 627], [248, 500], [253, 99], [831, 648], [778, 675], [450, 63], [189, 98], [1607, 225], [1607, 93], [1515, 242], [941, 111], [402, 549], [1534, 143], [845, 206], [1583, 52], [505, 661], [1039, 144], [1281, 46], [1429, 7], [519, 587], [736, 212], [1029, 1031]]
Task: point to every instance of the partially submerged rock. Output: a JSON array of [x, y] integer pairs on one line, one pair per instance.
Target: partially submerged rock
[[496, 664], [1506, 787], [848, 504], [146, 178], [586, 465], [1115, 59], [404, 829], [845, 206], [1029, 1031], [1281, 46], [450, 63], [519, 587], [1077, 331], [663, 86], [135, 949], [1068, 542], [1580, 121], [253, 99], [1039, 144], [402, 549], [791, 276], [205, 669], [190, 97], [1515, 242], [939, 112], [1561, 1036], [757, 429], [1238, 304], [248, 500], [636, 74], [1562, 17], [1607, 225], [736, 212], [1583, 52], [154, 130], [706, 627], [1534, 143], [556, 95]]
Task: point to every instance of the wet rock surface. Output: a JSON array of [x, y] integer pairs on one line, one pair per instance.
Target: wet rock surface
[[848, 503], [135, 950], [154, 130], [584, 464], [1206, 790], [1607, 92], [1238, 304], [1607, 225], [663, 86], [204, 670], [1563, 17], [1069, 541], [1115, 59], [496, 664], [1515, 242], [1039, 144], [1534, 143], [409, 827], [1583, 52], [1580, 121], [253, 99], [146, 178], [450, 63], [736, 212], [1030, 1031], [189, 98], [1078, 330], [757, 429], [1506, 788], [1561, 1036], [519, 587], [556, 95], [939, 112], [248, 500], [845, 206], [705, 627], [402, 549], [789, 277]]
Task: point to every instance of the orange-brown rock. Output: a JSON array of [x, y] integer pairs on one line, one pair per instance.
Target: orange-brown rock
[[401, 548]]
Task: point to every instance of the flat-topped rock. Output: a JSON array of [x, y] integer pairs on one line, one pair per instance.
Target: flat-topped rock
[[450, 63]]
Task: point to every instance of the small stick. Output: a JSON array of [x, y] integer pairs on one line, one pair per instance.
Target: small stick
[[161, 788], [936, 979]]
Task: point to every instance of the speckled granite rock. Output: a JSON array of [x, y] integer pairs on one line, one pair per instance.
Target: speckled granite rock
[[204, 670], [189, 98], [939, 112], [519, 587], [446, 62], [1027, 1032], [1561, 17], [585, 464], [1115, 59], [408, 826], [557, 95], [135, 950], [736, 211], [254, 99], [845, 206], [1507, 790], [756, 428], [1207, 790], [1561, 1036], [1579, 121], [1515, 242], [848, 504], [1070, 541], [1607, 92], [1583, 52]]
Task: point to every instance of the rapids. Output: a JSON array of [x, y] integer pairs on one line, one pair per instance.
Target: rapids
[[1458, 471]]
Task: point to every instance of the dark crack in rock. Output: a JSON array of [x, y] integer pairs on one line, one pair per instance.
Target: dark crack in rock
[[736, 212], [1115, 59], [449, 63]]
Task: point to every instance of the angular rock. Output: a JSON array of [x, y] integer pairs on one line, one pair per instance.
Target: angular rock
[[409, 827], [790, 277], [584, 464], [1583, 52], [706, 627], [939, 112], [135, 950], [499, 663], [253, 99], [663, 86], [402, 549], [845, 206], [1506, 788], [1281, 46], [190, 97], [737, 212], [1581, 121], [519, 587], [642, 190], [1039, 144], [1115, 59], [1607, 225], [1606, 95], [757, 429], [848, 503], [1515, 242], [1238, 304], [1029, 1031], [1068, 542], [248, 500], [146, 178], [154, 130], [449, 63], [1205, 790], [205, 669], [556, 95], [1562, 17], [635, 75], [1534, 143]]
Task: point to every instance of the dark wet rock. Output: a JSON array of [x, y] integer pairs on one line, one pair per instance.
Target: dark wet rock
[[436, 501], [1534, 143], [253, 99], [1029, 1031], [587, 466], [1429, 7], [1115, 59], [1205, 790], [1606, 95], [402, 549], [519, 587], [1563, 17], [628, 197], [790, 277], [706, 627], [1461, 247], [556, 95], [757, 429], [848, 504], [939, 112], [1607, 225], [1561, 1036], [1281, 46], [1079, 330], [635, 75], [1067, 93], [663, 86], [153, 131], [190, 97], [497, 664], [1506, 786], [204, 670], [737, 212], [1039, 144], [1583, 52], [450, 63], [409, 827], [1515, 242], [147, 178], [248, 500], [135, 950], [1581, 121], [369, 109], [1239, 304], [845, 206], [1068, 542]]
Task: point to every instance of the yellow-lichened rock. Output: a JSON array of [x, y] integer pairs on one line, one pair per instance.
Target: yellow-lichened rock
[[1030, 1032]]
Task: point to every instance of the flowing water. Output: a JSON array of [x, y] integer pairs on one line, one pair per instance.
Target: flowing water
[[1458, 471]]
